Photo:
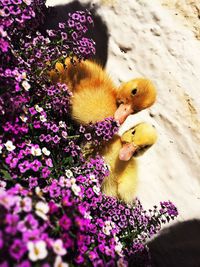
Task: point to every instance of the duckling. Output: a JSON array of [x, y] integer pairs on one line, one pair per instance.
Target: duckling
[[96, 97], [120, 155]]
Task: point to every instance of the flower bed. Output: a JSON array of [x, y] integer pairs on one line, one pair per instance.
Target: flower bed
[[52, 212]]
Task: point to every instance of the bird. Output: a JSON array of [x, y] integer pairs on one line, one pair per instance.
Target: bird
[[96, 97], [120, 155]]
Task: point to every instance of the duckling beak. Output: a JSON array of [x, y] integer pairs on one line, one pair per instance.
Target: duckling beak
[[127, 151], [123, 111]]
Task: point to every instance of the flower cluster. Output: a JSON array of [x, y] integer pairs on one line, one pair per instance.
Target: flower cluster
[[79, 22], [52, 211], [100, 131]]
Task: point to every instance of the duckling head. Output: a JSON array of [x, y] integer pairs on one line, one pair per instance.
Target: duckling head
[[137, 140], [134, 96]]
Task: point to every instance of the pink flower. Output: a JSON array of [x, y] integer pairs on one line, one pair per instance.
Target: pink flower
[[29, 223], [24, 166], [35, 165], [45, 172], [65, 222], [23, 204], [49, 162], [17, 249]]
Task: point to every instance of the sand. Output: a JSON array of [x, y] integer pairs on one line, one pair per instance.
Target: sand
[[161, 40]]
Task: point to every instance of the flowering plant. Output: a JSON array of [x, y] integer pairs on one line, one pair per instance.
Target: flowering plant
[[52, 212]]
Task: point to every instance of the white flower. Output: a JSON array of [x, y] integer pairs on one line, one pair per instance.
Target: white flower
[[46, 151], [2, 184], [96, 189], [118, 249], [107, 228], [60, 263], [37, 250], [23, 118], [38, 191], [92, 178], [42, 118], [28, 2], [36, 151], [2, 32], [42, 209], [62, 124], [58, 247], [73, 181], [68, 173], [1, 149], [9, 146], [87, 215], [38, 109], [24, 75], [76, 189], [26, 85]]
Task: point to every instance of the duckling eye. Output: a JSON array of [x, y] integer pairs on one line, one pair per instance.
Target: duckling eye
[[134, 91], [133, 132]]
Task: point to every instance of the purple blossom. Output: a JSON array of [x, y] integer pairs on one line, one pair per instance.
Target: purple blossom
[[12, 221], [35, 165], [65, 222], [17, 249], [24, 166], [29, 223], [49, 162], [45, 172]]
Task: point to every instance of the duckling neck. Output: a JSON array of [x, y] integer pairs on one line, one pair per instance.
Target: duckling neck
[[111, 155]]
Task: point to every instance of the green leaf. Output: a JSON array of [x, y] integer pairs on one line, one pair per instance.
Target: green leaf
[[6, 175]]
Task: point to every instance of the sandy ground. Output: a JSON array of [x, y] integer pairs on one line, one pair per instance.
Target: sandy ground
[[161, 40]]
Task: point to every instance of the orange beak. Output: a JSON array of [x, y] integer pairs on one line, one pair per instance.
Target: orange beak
[[123, 111], [127, 151]]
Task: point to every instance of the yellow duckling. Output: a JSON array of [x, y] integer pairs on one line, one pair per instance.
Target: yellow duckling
[[96, 97], [120, 154]]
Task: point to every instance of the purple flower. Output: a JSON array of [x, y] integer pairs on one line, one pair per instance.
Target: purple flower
[[35, 165], [168, 207], [17, 249], [61, 25], [1, 239], [74, 35], [25, 263], [54, 128], [13, 163], [29, 223], [88, 136], [71, 23], [54, 189], [64, 35], [65, 222], [32, 235], [89, 193], [45, 172], [11, 221], [33, 182], [42, 137], [49, 162], [56, 139], [79, 259], [24, 166]]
